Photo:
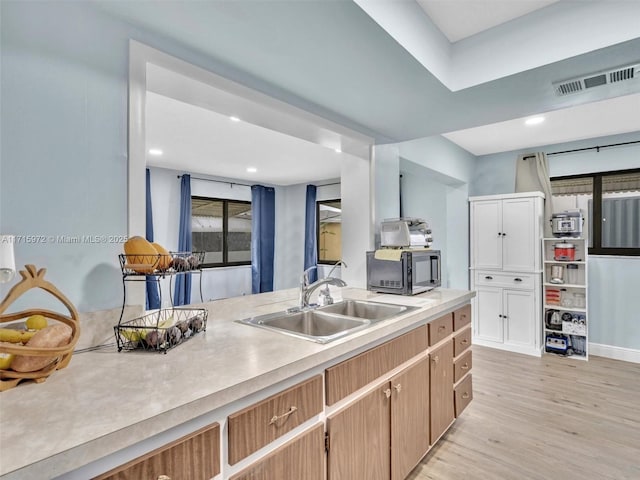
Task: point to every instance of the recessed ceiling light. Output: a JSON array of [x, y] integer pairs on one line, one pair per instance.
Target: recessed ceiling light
[[252, 169], [155, 151], [234, 119], [534, 120], [338, 150]]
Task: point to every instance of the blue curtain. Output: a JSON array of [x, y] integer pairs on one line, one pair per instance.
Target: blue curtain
[[182, 292], [153, 294], [262, 238], [310, 234]]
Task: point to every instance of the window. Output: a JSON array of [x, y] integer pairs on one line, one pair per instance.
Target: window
[[611, 204], [222, 229], [329, 228]]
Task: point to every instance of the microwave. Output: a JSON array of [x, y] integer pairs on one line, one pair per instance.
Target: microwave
[[415, 272]]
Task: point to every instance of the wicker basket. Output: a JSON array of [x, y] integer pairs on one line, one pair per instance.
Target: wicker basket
[[32, 278]]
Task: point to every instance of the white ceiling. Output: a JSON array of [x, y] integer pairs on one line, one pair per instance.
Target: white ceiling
[[348, 61], [458, 19], [198, 140]]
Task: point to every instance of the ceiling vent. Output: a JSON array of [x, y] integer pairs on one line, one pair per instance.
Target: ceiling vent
[[580, 84]]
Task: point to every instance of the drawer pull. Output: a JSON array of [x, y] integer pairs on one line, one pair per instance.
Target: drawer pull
[[387, 393], [275, 418], [398, 387], [488, 277], [464, 341], [465, 366], [436, 359], [517, 279], [465, 395], [164, 477], [442, 327]]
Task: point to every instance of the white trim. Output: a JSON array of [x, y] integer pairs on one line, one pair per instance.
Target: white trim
[[616, 353], [533, 351], [503, 196]]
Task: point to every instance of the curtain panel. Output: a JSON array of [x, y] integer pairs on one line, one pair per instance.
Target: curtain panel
[[532, 175], [311, 234], [153, 291], [262, 238], [182, 291]]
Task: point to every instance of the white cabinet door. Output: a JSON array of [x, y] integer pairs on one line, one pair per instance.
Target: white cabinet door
[[520, 320], [519, 238], [486, 227], [488, 320]]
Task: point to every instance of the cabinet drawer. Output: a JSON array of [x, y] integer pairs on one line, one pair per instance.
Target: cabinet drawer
[[256, 426], [302, 457], [462, 317], [462, 366], [461, 342], [196, 456], [463, 394], [510, 280], [347, 377], [440, 328]]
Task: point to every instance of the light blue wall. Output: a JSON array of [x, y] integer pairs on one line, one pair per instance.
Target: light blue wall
[[613, 281]]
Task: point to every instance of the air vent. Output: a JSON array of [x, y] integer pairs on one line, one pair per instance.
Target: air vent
[[598, 79]]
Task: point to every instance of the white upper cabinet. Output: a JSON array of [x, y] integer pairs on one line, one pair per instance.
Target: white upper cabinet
[[506, 231]]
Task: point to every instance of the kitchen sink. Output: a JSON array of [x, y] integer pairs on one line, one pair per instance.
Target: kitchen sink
[[363, 309], [328, 323]]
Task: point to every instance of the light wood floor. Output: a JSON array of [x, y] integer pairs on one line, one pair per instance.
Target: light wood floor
[[543, 418]]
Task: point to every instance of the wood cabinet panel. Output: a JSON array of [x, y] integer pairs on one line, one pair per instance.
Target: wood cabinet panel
[[462, 366], [441, 379], [301, 458], [193, 457], [462, 317], [259, 424], [409, 418], [461, 342], [359, 438], [353, 374], [463, 394], [440, 328]]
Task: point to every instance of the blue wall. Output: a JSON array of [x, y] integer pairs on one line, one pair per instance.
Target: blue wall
[[613, 281]]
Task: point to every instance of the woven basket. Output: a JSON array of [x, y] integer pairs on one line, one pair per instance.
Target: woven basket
[[32, 278]]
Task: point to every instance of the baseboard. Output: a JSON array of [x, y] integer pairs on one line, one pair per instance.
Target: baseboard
[[616, 353]]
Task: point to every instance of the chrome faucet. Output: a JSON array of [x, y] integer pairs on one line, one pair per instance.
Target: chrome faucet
[[306, 289]]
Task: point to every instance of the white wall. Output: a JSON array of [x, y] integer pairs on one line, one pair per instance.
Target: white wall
[[613, 281], [386, 193]]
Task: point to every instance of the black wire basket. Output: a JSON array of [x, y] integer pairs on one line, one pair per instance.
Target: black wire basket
[[135, 264], [161, 330]]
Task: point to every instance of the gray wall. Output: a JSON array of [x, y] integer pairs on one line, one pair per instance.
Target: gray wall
[[614, 304]]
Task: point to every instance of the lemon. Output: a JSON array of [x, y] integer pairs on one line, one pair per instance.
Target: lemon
[[5, 360], [36, 322]]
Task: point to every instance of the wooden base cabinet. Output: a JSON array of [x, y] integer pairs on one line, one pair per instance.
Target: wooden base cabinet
[[194, 457], [301, 458], [384, 434], [441, 378]]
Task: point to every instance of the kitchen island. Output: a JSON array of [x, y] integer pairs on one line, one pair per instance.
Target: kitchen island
[[108, 408]]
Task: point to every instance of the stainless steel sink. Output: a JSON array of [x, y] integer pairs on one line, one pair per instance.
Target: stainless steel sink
[[325, 324], [363, 309]]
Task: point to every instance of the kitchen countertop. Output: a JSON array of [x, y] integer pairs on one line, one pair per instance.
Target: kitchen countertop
[[105, 401]]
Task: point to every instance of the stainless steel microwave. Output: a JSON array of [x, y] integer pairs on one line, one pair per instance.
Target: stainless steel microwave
[[415, 272]]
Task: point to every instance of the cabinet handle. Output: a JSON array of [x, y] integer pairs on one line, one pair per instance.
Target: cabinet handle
[[436, 359], [387, 393], [275, 418], [164, 477], [517, 279], [464, 341], [488, 277], [499, 234], [465, 366], [465, 395], [442, 327], [504, 234], [398, 387]]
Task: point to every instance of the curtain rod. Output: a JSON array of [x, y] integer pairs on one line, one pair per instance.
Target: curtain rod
[[219, 181], [597, 148], [245, 184]]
